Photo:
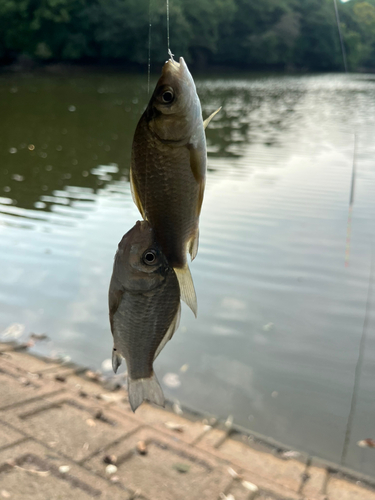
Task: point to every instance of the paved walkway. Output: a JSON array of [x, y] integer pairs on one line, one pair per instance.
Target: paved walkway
[[64, 436]]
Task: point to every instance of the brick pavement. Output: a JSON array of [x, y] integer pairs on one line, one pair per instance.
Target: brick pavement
[[65, 436]]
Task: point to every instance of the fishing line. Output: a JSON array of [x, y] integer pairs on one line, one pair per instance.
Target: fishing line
[[351, 201], [340, 35], [169, 49], [358, 367], [149, 48]]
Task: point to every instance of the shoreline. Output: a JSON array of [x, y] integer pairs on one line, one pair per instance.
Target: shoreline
[[240, 462]]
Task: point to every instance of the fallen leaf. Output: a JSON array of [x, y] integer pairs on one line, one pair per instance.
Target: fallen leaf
[[173, 426], [183, 468]]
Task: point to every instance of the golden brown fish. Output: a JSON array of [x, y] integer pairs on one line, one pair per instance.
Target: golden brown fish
[[168, 169], [144, 310]]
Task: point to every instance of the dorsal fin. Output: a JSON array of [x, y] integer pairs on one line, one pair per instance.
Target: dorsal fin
[[207, 120]]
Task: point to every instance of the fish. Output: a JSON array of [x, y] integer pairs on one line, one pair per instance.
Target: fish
[[168, 169], [144, 310]]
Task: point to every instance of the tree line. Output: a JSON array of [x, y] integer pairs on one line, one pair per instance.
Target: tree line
[[247, 34]]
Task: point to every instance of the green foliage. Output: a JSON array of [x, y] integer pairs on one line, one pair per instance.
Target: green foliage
[[359, 33], [242, 33]]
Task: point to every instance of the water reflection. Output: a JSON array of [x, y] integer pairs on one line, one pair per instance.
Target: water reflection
[[280, 317]]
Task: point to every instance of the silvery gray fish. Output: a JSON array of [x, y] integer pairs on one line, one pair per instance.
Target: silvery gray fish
[[168, 169], [144, 310]]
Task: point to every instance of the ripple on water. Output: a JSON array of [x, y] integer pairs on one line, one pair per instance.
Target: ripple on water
[[272, 241]]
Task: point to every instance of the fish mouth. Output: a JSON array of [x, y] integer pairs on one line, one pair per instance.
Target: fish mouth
[[172, 67]]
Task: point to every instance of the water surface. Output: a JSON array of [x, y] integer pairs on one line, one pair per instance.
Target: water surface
[[280, 317]]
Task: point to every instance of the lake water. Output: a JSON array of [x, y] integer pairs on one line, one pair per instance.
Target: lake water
[[281, 315]]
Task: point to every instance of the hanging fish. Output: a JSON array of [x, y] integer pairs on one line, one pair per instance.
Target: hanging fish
[[168, 169], [144, 310]]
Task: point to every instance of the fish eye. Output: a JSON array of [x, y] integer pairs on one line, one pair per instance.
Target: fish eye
[[167, 96], [149, 257]]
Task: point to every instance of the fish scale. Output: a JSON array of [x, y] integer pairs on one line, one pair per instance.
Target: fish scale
[[167, 188], [139, 327]]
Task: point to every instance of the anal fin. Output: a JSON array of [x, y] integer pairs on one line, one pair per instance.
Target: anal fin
[[187, 289], [116, 360]]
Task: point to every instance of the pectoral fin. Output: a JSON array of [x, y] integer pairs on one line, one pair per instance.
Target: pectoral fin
[[207, 120], [135, 195], [116, 360], [187, 289], [172, 328]]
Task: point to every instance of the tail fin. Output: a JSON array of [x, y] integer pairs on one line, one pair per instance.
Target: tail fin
[[145, 389], [187, 289]]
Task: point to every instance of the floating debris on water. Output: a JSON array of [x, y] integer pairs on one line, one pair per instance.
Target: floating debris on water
[[172, 380], [107, 365], [367, 443], [229, 422], [39, 336], [268, 327], [72, 108], [18, 178], [13, 151], [31, 147], [184, 368]]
